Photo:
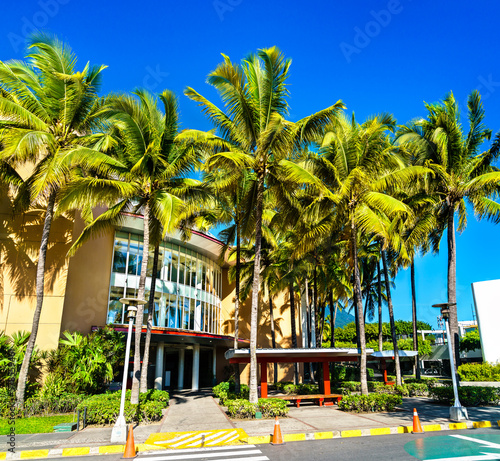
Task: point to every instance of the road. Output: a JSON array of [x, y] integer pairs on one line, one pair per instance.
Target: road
[[473, 445]]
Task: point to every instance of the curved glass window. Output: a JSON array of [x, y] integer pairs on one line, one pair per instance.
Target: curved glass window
[[188, 285]]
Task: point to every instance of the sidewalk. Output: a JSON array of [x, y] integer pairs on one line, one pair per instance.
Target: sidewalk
[[200, 412]]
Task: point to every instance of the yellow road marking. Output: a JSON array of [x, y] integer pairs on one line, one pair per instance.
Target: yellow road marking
[[454, 426], [294, 437], [108, 449], [30, 454], [80, 451], [380, 431], [478, 424], [196, 439], [431, 427]]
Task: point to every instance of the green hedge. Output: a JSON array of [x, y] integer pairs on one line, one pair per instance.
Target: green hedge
[[301, 389], [369, 403], [105, 408], [479, 372], [225, 391], [343, 373], [242, 408], [470, 396]]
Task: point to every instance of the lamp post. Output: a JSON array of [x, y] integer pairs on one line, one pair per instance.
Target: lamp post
[[457, 411], [119, 432]]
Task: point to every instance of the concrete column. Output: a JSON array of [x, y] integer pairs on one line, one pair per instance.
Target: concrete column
[[214, 365], [195, 385], [180, 379], [159, 366]]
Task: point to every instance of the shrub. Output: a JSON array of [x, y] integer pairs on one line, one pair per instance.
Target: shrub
[[479, 372], [242, 408], [300, 389], [370, 403], [224, 391], [470, 396], [350, 386], [429, 382], [348, 373], [470, 341], [104, 408]]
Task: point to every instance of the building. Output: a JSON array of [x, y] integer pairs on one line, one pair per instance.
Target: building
[[193, 320]]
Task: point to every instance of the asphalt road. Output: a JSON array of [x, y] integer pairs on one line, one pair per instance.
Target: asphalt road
[[461, 444]]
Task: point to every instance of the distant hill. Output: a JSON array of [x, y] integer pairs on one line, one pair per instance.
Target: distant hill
[[343, 318]]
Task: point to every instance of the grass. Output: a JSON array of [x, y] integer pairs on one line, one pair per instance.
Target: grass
[[36, 424]]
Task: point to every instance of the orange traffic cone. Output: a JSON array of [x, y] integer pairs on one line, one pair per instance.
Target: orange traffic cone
[[416, 422], [130, 447], [277, 439]]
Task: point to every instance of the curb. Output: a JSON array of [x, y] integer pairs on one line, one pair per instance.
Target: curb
[[253, 440], [373, 432]]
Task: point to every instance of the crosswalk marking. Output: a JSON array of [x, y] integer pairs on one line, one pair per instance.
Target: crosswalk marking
[[198, 438], [234, 453]]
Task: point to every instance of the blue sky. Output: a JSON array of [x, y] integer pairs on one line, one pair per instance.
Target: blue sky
[[377, 56]]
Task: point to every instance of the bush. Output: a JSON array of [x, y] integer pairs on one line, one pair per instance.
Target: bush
[[347, 373], [470, 396], [105, 408], [301, 389], [224, 391], [370, 403], [350, 386], [242, 408], [429, 382], [470, 341], [479, 372]]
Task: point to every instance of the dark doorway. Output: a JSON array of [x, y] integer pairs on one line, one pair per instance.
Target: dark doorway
[[206, 374]]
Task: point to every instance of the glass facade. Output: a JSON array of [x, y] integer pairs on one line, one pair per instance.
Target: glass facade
[[188, 285]]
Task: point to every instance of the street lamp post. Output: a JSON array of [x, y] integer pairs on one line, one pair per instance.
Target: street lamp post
[[457, 411], [119, 432]]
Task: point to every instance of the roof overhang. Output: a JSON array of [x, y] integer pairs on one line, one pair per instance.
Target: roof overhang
[[390, 354], [183, 337], [295, 355]]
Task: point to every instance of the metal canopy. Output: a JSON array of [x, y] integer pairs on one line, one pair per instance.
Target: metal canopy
[[390, 354], [294, 355]]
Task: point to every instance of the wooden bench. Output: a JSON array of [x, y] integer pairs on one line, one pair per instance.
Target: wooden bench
[[328, 399]]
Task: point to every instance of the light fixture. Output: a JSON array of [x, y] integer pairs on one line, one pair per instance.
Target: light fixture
[[119, 432], [457, 411]]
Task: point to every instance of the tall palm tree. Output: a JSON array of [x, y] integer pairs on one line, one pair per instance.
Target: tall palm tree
[[46, 108], [253, 123], [461, 173], [145, 173], [357, 162]]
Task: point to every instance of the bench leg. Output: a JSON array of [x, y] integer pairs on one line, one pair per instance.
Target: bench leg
[[297, 402], [321, 402]]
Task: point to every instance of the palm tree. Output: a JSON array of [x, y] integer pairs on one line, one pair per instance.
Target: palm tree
[[460, 173], [358, 164], [46, 108], [145, 172], [255, 98]]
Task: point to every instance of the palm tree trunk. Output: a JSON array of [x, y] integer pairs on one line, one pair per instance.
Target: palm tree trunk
[[294, 330], [359, 310], [134, 398], [452, 285], [236, 366], [414, 319], [319, 342], [40, 284], [273, 336], [333, 318], [253, 397], [380, 324], [391, 319], [151, 304]]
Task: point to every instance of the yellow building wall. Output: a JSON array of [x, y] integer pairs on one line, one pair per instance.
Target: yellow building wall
[[86, 300], [20, 237]]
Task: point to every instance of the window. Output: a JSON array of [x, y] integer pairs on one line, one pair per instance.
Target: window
[[120, 254]]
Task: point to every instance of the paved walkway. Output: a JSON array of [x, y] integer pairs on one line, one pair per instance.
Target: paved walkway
[[194, 412]]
